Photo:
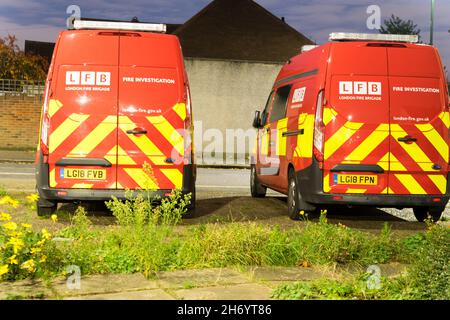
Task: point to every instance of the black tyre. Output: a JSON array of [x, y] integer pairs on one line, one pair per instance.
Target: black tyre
[[295, 202], [46, 210], [422, 213], [257, 190]]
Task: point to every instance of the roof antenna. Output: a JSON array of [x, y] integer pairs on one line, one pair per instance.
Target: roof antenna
[[135, 19], [282, 19]]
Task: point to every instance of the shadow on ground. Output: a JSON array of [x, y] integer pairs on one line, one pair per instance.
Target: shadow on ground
[[270, 210]]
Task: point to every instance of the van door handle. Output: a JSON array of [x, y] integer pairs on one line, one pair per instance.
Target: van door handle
[[407, 139], [137, 131]]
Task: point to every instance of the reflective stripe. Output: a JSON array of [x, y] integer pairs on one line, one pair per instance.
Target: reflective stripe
[[95, 137], [370, 143], [410, 183], [340, 137], [175, 176], [65, 129]]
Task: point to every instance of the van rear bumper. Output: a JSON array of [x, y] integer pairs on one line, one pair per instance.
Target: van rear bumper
[[69, 195], [49, 195], [310, 182]]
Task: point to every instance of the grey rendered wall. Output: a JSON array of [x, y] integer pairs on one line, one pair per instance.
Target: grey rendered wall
[[225, 95]]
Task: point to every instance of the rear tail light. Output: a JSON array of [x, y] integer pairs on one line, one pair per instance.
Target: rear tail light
[[188, 131], [319, 129], [45, 122]]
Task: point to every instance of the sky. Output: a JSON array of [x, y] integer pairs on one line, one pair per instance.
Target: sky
[[41, 20]]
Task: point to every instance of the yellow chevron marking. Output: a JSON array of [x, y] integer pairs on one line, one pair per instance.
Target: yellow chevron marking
[[180, 109], [305, 140], [111, 155], [413, 150], [440, 181], [410, 184], [169, 132], [370, 143], [175, 176], [65, 129], [52, 179], [339, 138], [159, 160], [95, 137], [82, 186], [146, 146], [265, 141], [141, 178], [53, 107], [396, 165], [281, 141], [355, 190], [435, 139], [328, 115], [302, 117], [384, 162], [387, 191], [326, 183], [119, 186], [445, 118], [124, 158]]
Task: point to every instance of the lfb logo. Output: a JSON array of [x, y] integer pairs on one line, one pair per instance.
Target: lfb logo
[[360, 88], [88, 78]]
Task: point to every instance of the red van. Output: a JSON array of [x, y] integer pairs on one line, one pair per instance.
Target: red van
[[362, 120], [116, 98]]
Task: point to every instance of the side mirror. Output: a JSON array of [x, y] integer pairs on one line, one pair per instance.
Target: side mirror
[[257, 120]]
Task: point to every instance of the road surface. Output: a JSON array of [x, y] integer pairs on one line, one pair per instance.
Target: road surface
[[224, 195]]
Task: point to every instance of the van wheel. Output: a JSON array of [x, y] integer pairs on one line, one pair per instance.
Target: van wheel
[[47, 210], [295, 202], [257, 190], [422, 213]]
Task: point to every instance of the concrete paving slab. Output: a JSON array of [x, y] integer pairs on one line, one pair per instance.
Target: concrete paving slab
[[156, 294], [199, 278], [249, 291], [101, 284], [25, 289], [284, 274]]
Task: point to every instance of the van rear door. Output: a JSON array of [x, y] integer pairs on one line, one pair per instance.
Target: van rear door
[[151, 112], [82, 112], [356, 118], [419, 121]]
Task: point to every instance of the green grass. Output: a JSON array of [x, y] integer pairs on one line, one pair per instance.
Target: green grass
[[147, 239]]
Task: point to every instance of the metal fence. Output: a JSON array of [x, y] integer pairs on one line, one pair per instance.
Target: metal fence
[[22, 88]]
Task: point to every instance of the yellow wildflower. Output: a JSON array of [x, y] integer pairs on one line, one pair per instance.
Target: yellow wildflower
[[16, 243], [11, 226], [35, 250], [54, 218], [13, 260], [40, 242], [8, 200], [29, 265], [3, 269], [5, 217], [33, 197], [45, 234], [302, 213], [43, 259]]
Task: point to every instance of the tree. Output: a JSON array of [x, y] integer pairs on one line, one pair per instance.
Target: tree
[[16, 65], [396, 25]]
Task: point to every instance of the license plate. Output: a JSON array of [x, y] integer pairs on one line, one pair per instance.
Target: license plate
[[82, 174], [353, 179]]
